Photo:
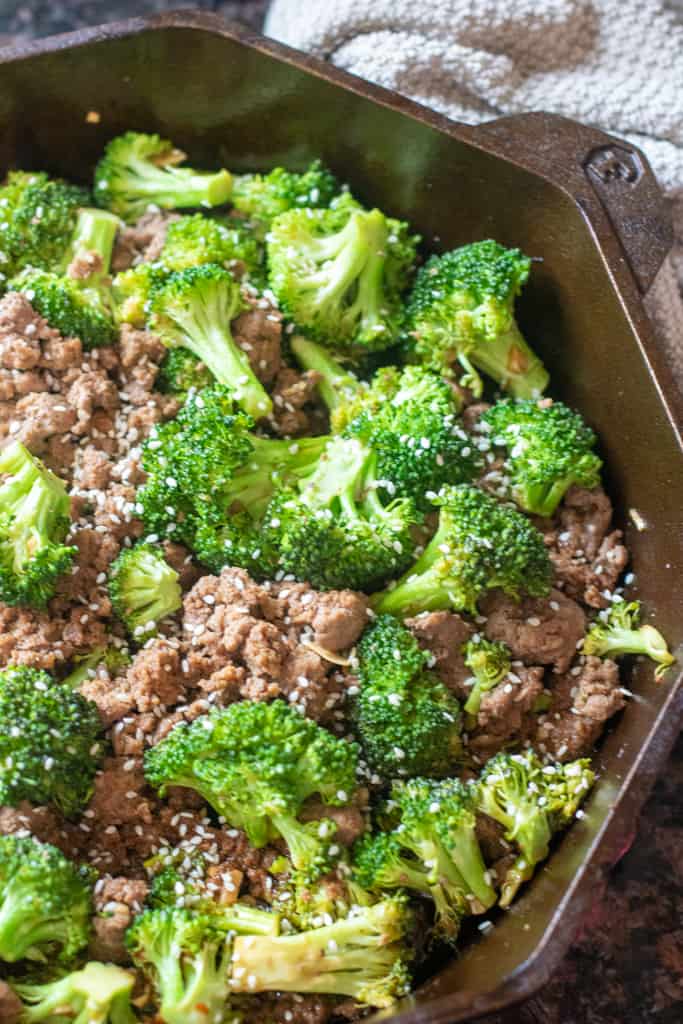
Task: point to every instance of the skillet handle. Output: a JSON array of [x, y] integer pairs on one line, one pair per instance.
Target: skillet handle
[[592, 165]]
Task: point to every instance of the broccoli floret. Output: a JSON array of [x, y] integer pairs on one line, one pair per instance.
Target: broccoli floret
[[618, 631], [49, 747], [186, 955], [143, 589], [548, 448], [433, 849], [67, 306], [210, 480], [462, 310], [408, 417], [339, 273], [255, 764], [363, 956], [45, 901], [489, 662], [407, 721], [265, 196], [112, 658], [532, 801], [132, 290], [38, 216], [335, 532], [479, 543], [193, 240], [418, 439], [97, 994], [34, 521], [181, 372], [193, 309], [139, 170], [81, 305]]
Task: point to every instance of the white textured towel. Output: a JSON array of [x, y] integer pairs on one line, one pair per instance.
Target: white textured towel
[[617, 64]]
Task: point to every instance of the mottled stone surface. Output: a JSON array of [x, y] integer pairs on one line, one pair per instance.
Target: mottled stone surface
[[628, 966]]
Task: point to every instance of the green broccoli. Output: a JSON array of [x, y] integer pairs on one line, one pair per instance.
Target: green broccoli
[[532, 801], [262, 197], [335, 532], [344, 394], [339, 273], [194, 240], [210, 480], [617, 631], [132, 290], [34, 522], [408, 417], [45, 901], [138, 171], [143, 589], [256, 764], [490, 663], [67, 306], [78, 306], [433, 849], [97, 994], [461, 310], [49, 747], [37, 216], [548, 448], [407, 721], [113, 658], [186, 955], [362, 956], [479, 544], [192, 309], [181, 372]]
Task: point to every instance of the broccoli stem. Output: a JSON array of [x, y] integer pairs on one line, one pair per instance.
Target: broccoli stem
[[337, 386], [214, 345], [169, 186], [645, 640], [421, 591], [95, 231], [240, 917], [351, 957], [463, 848], [510, 361], [253, 486]]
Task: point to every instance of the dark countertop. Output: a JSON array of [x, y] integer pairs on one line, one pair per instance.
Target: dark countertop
[[627, 967]]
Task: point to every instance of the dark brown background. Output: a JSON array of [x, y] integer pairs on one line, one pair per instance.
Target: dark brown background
[[627, 965]]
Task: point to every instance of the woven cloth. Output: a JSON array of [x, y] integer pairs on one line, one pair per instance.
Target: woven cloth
[[616, 64]]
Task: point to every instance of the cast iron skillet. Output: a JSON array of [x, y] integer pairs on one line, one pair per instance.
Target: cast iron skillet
[[584, 204]]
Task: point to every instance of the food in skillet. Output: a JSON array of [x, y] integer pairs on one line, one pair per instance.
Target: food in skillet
[[304, 646]]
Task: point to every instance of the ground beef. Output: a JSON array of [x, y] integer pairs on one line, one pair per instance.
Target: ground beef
[[296, 407], [258, 331], [142, 241], [444, 634], [117, 901], [155, 678], [587, 559], [541, 631], [583, 699], [506, 714], [87, 262], [10, 1005], [491, 836]]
